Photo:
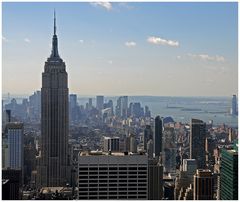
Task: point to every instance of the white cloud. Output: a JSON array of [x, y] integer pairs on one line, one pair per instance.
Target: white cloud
[[110, 62], [27, 40], [106, 5], [130, 44], [160, 41], [81, 41], [5, 39], [179, 57], [207, 57]]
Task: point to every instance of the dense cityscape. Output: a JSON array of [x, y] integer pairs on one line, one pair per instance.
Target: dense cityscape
[[53, 148]]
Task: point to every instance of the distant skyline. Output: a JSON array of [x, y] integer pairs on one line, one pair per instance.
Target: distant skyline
[[161, 49]]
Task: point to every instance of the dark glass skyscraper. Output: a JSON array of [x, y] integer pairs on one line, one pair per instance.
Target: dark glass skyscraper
[[54, 120], [197, 142], [158, 136]]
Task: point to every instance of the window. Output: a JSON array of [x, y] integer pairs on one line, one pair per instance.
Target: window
[[112, 168], [103, 168], [83, 177], [93, 189], [82, 198], [142, 168], [132, 168], [93, 173], [94, 168], [83, 168], [92, 197], [102, 189], [83, 189], [93, 181], [83, 181]]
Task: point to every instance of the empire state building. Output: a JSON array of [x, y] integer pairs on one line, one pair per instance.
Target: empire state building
[[53, 161]]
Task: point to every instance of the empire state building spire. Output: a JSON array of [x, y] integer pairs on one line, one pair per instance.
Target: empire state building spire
[[54, 54]]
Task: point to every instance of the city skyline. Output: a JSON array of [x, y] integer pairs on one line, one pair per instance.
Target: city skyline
[[118, 48]]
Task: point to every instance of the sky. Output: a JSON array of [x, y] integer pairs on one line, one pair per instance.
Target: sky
[[162, 49]]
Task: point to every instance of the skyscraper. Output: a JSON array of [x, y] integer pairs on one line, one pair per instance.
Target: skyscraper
[[99, 102], [111, 144], [197, 142], [53, 170], [72, 107], [90, 103], [147, 135], [158, 136], [229, 174], [15, 145], [234, 105], [122, 107], [203, 185], [155, 180]]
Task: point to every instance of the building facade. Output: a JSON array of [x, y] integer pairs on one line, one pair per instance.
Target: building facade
[[99, 102], [111, 144], [203, 185], [115, 176], [14, 159], [158, 136], [234, 110], [197, 142], [229, 174]]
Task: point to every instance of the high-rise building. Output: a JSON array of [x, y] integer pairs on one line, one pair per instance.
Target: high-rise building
[[99, 102], [6, 118], [90, 105], [189, 165], [111, 144], [11, 184], [234, 110], [229, 174], [150, 149], [155, 180], [54, 165], [147, 112], [136, 110], [185, 178], [197, 142], [147, 135], [35, 106], [132, 143], [114, 176], [122, 107], [169, 151], [203, 185], [72, 107], [14, 145], [157, 136]]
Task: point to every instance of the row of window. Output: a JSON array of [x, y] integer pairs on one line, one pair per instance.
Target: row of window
[[113, 193], [111, 176], [113, 189], [109, 181], [111, 197], [112, 168], [112, 173], [112, 185]]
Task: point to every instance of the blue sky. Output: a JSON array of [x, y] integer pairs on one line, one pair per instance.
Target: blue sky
[[174, 49]]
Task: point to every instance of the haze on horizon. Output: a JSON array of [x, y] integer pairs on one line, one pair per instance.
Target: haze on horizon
[[162, 49]]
